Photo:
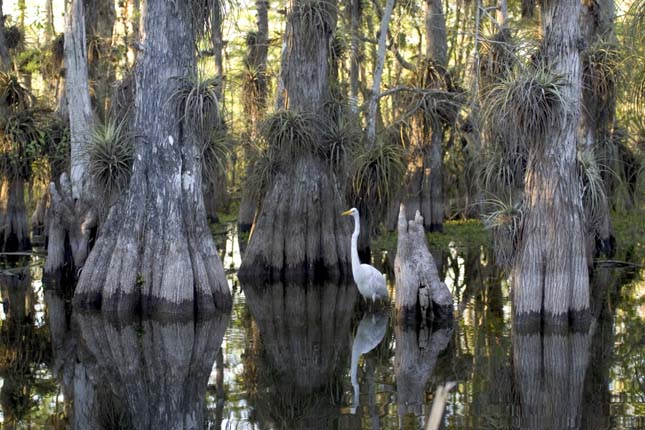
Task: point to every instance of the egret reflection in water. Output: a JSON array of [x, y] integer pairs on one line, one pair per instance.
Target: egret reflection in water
[[369, 334]]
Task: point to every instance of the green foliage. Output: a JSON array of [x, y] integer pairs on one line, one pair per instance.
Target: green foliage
[[601, 70], [526, 104], [340, 134], [196, 100], [377, 172], [215, 153], [289, 135], [14, 95], [110, 154], [318, 15], [594, 195], [23, 138]]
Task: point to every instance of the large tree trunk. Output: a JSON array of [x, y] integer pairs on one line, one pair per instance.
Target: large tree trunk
[[550, 278], [298, 227], [255, 105], [155, 251], [14, 229], [420, 293], [598, 115]]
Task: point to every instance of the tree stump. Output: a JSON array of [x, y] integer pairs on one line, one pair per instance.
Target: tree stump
[[420, 293]]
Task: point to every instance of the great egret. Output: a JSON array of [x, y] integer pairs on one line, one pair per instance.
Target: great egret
[[370, 282]]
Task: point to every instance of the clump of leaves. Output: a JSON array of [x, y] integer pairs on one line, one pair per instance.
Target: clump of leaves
[[110, 153], [502, 167], [12, 36], [340, 133], [593, 186], [262, 171], [215, 153], [498, 56], [22, 140], [315, 14], [526, 104], [377, 172], [254, 88], [14, 95], [504, 218], [196, 100], [289, 135], [601, 69]]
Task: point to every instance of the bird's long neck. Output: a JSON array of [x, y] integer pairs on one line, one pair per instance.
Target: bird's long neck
[[356, 262]]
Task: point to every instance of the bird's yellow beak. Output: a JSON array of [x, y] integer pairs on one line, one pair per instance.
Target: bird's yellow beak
[[349, 212]]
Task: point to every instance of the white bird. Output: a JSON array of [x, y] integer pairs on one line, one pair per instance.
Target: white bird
[[370, 282]]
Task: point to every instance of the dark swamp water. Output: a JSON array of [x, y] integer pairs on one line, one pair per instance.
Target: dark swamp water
[[305, 357]]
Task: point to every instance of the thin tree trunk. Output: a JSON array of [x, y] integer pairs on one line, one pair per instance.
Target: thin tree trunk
[[501, 15], [72, 215], [298, 232], [372, 106], [5, 61], [255, 106], [14, 229], [550, 278], [528, 9], [155, 251], [597, 117], [355, 11]]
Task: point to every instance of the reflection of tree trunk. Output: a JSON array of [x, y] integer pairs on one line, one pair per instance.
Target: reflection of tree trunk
[[549, 374], [14, 232], [159, 370], [304, 337], [415, 358]]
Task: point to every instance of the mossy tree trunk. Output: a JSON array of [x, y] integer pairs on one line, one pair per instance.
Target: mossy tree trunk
[[598, 114], [155, 251], [255, 102], [550, 278], [298, 229], [426, 184]]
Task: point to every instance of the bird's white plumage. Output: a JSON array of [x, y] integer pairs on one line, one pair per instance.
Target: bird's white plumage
[[370, 282]]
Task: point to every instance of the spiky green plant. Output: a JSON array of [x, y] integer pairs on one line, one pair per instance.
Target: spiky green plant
[[377, 172], [196, 100], [110, 153], [254, 83], [601, 69], [526, 104], [315, 14], [262, 172], [504, 218], [593, 186], [22, 140], [215, 153], [289, 135], [14, 95]]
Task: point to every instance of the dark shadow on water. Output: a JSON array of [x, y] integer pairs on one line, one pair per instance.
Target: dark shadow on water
[[302, 355]]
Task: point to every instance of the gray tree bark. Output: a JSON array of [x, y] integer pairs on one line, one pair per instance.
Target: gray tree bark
[[256, 60], [100, 17], [155, 251], [550, 278], [298, 232], [420, 293], [72, 214]]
